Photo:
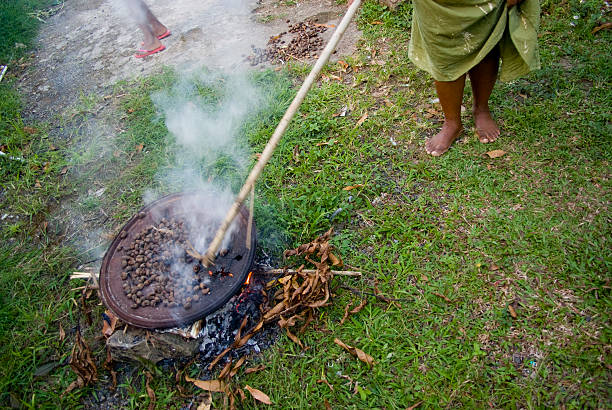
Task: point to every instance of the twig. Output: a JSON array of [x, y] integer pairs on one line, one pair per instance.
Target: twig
[[292, 271], [86, 275]]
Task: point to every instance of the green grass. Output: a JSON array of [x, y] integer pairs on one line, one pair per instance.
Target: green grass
[[530, 229]]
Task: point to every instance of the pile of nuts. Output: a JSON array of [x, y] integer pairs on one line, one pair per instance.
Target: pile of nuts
[[157, 270], [305, 43]]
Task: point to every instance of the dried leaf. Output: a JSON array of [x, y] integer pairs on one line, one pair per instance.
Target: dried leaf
[[255, 369], [30, 130], [360, 354], [493, 267], [150, 391], [496, 153], [139, 148], [208, 385], [336, 261], [351, 187], [62, 334], [110, 321], [443, 297], [64, 170], [512, 312], [241, 393], [604, 26], [239, 363], [258, 395], [294, 338], [226, 369], [343, 64], [82, 364], [362, 119]]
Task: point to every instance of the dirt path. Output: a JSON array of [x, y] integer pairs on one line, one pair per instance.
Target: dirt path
[[89, 44]]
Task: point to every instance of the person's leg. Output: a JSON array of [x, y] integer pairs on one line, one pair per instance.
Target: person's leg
[[156, 26], [483, 77], [150, 42], [450, 94], [147, 22]]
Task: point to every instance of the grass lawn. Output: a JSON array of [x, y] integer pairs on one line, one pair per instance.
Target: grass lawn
[[500, 266]]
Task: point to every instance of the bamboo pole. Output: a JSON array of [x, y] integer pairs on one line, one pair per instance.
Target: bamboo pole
[[210, 254]]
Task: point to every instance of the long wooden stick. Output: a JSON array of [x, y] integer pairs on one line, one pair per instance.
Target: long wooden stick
[[210, 254]]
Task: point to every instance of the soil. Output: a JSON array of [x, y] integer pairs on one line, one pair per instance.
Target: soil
[[89, 45]]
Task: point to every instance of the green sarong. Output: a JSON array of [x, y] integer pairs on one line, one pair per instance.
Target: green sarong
[[450, 37]]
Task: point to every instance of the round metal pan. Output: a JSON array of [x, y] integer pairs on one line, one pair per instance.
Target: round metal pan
[[238, 260]]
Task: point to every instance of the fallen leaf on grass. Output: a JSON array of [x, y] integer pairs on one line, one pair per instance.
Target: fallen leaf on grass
[[255, 369], [62, 334], [493, 267], [30, 130], [139, 148], [512, 312], [443, 297], [150, 391], [496, 153], [208, 385], [356, 309], [362, 119], [226, 369], [360, 354], [376, 22], [64, 170], [82, 364], [258, 395], [350, 187], [605, 26], [37, 185], [343, 64]]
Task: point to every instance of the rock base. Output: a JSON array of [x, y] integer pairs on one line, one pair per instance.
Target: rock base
[[138, 344]]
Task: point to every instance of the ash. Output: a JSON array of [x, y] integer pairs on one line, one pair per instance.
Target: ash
[[220, 328]]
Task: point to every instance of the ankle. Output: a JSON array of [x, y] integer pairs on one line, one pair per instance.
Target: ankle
[[481, 110], [452, 124]]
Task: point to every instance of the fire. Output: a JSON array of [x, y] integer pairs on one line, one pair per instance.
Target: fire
[[248, 279]]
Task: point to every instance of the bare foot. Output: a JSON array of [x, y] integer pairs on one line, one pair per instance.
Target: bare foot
[[441, 142], [486, 127], [152, 44]]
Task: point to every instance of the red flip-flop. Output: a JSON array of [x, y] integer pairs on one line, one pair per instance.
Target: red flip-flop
[[145, 53], [166, 34]]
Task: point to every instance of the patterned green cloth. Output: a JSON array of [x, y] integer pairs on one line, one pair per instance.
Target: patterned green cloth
[[450, 37]]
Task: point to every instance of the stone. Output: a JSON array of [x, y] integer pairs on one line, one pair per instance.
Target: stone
[[135, 344]]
